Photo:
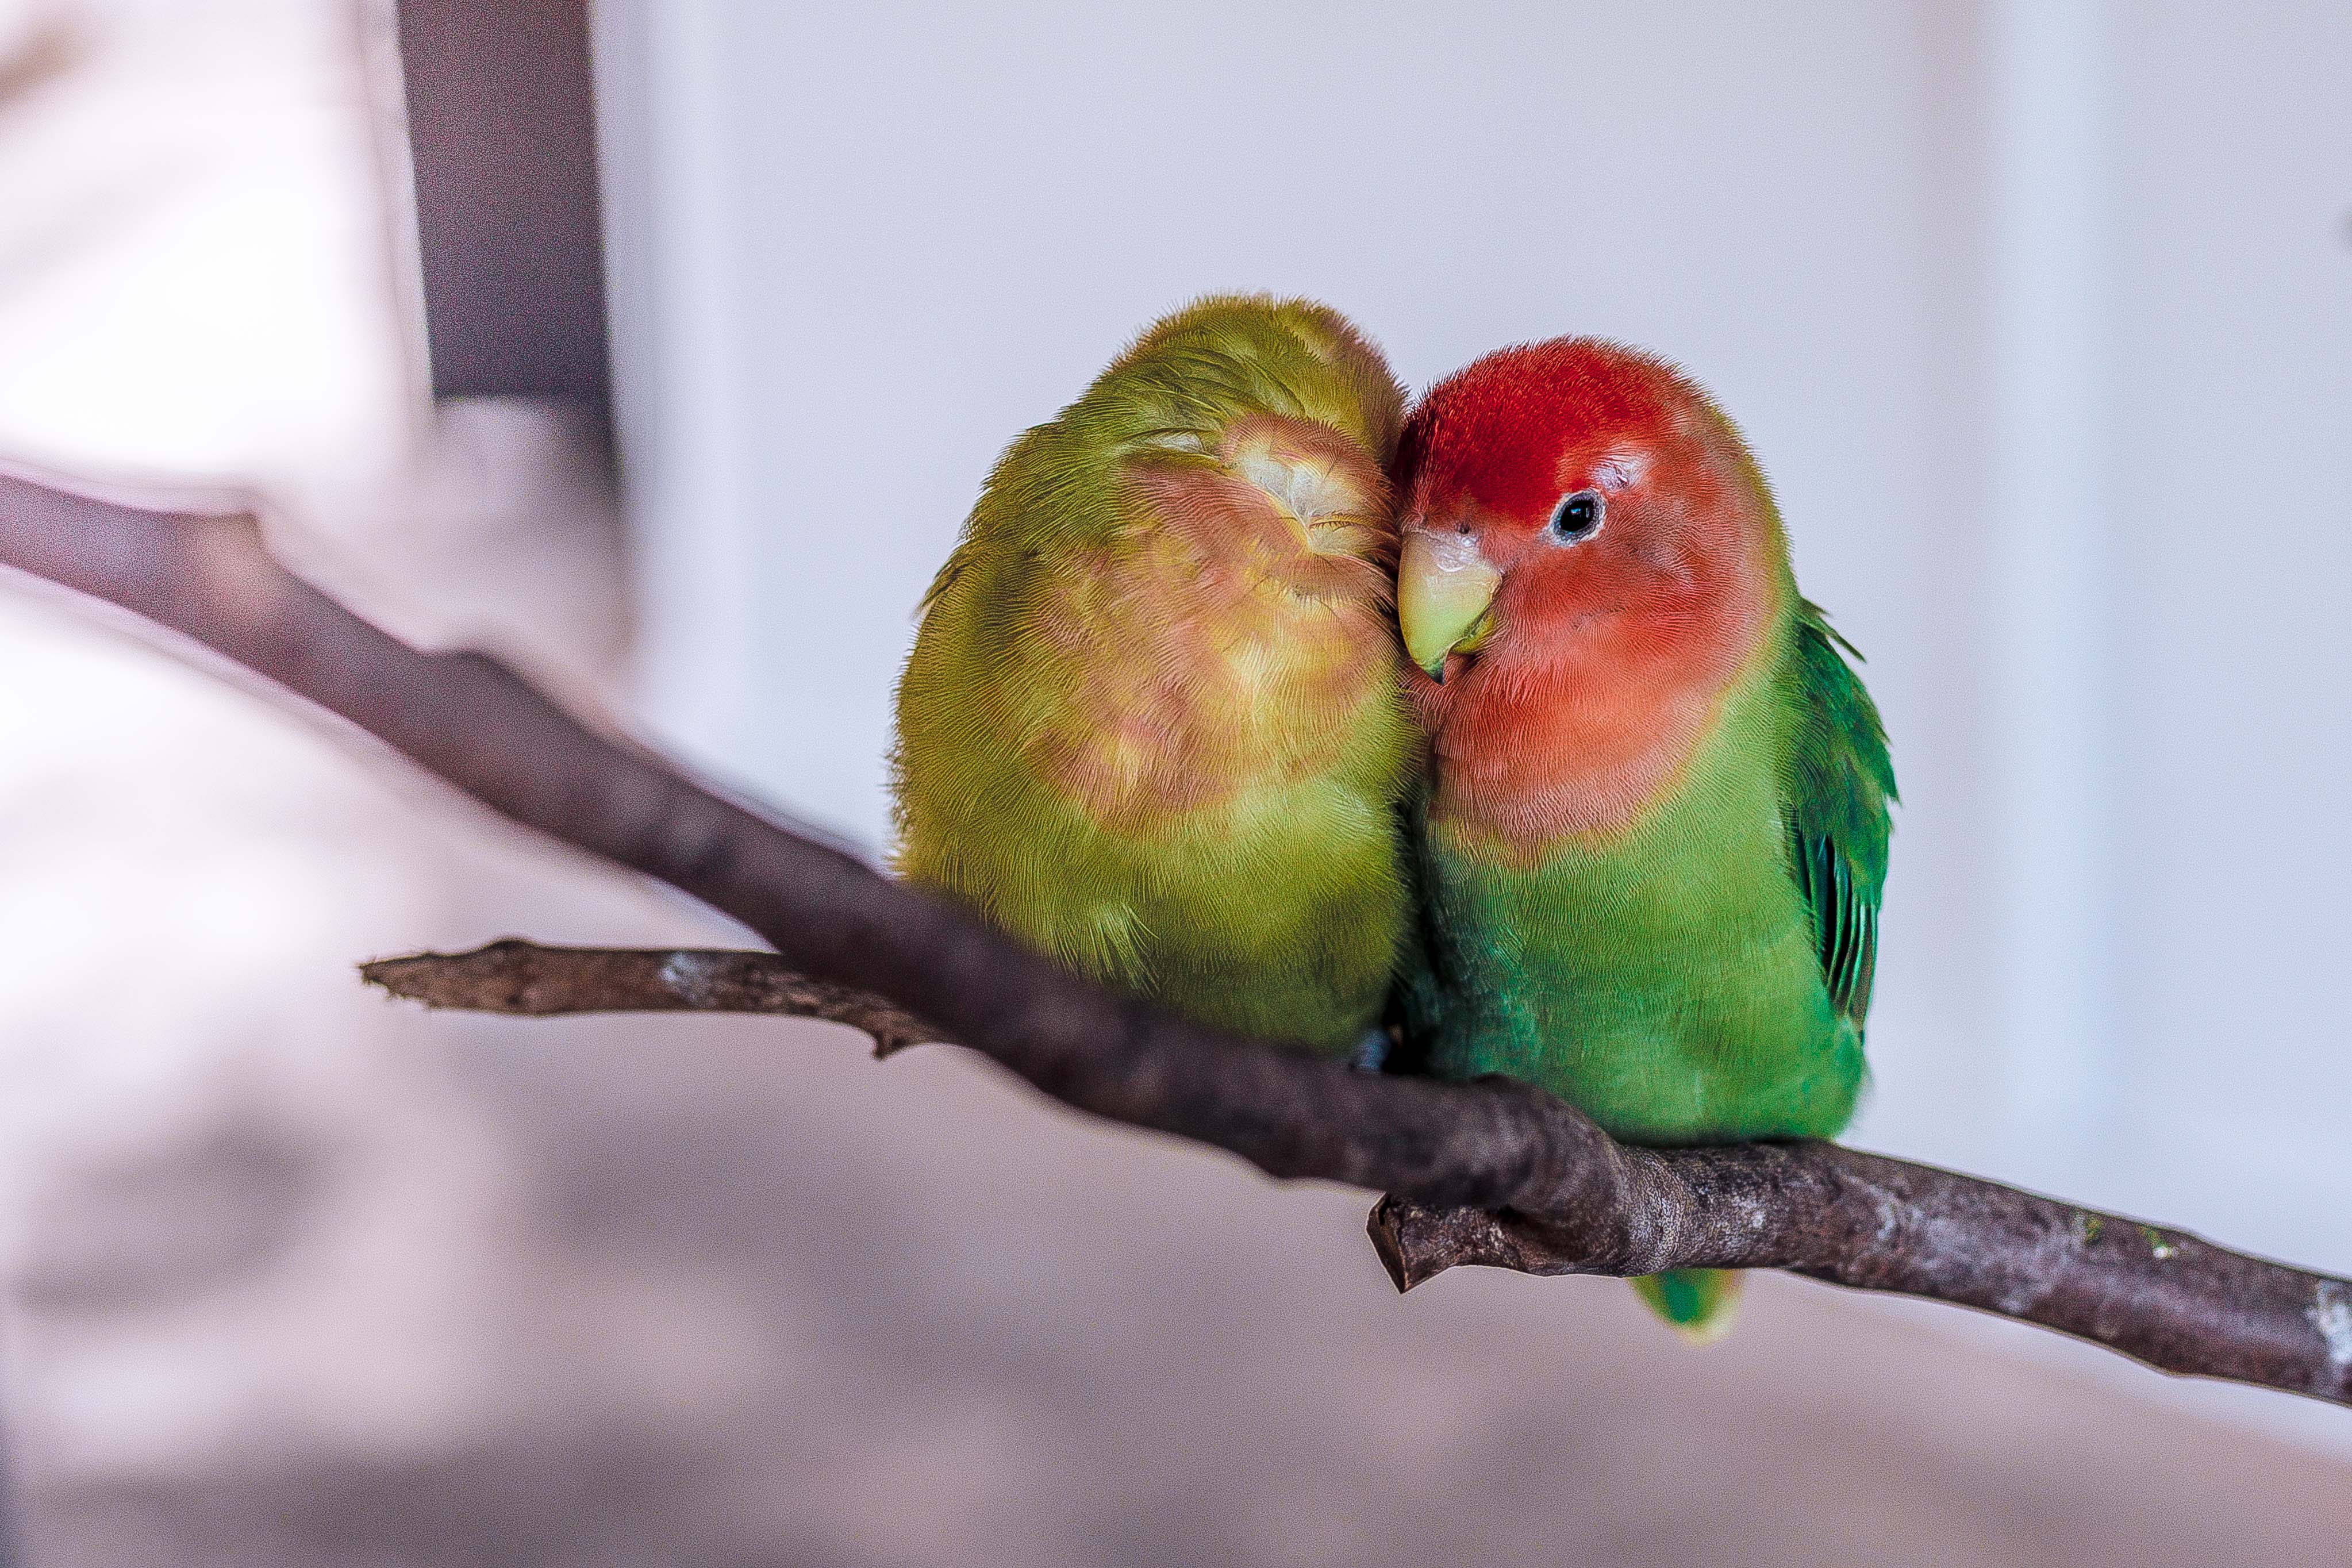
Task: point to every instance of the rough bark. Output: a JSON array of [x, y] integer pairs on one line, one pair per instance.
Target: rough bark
[[512, 976]]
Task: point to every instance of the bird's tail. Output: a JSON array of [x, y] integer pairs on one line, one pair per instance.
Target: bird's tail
[[1697, 1303]]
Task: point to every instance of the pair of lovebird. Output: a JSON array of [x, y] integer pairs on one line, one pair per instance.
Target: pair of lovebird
[[1498, 732]]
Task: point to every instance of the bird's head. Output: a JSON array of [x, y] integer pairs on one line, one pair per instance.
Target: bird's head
[[1573, 505]]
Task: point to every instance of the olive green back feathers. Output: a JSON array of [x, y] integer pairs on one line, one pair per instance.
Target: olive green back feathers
[[1151, 723]]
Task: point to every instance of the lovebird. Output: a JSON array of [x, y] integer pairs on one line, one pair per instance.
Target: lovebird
[[1153, 724], [1655, 824]]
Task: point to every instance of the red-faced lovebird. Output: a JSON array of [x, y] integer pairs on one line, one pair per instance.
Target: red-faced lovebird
[[1153, 722], [1656, 822]]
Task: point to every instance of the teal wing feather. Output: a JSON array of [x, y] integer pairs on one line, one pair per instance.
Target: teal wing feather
[[1839, 785]]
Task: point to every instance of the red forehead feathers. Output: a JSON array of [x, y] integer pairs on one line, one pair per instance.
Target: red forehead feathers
[[1495, 430]]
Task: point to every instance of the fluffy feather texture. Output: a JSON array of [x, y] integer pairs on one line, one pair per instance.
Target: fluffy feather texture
[[1152, 724], [1655, 824]]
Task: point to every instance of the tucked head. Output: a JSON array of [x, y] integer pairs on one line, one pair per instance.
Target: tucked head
[[1588, 558]]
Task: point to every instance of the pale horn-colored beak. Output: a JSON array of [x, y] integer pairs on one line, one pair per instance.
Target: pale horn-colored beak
[[1444, 588]]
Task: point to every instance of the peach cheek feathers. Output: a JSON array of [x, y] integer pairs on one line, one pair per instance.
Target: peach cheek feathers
[[1219, 654], [1578, 728]]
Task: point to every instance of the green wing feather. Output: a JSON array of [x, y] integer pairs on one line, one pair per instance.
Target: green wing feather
[[1839, 786]]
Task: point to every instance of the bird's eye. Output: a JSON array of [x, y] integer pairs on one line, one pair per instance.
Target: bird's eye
[[1577, 516]]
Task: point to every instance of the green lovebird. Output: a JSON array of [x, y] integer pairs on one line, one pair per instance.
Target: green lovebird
[[1655, 824], [1153, 723]]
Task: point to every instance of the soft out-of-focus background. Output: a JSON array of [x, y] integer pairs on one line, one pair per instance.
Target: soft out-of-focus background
[[2040, 315]]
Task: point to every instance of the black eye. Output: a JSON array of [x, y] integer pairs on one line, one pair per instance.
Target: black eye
[[1577, 515]]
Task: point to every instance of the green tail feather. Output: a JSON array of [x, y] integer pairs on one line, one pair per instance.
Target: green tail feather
[[1697, 1303]]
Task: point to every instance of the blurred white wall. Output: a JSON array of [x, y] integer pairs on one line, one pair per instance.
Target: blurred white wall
[[2231, 432], [2040, 316], [194, 282]]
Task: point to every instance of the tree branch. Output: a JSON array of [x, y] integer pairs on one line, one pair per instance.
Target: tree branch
[[1559, 1196], [523, 977]]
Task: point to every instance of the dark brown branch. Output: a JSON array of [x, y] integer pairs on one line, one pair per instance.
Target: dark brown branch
[[1563, 1197], [518, 976]]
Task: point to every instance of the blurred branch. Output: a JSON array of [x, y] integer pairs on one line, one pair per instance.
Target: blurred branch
[[42, 51], [1491, 1171]]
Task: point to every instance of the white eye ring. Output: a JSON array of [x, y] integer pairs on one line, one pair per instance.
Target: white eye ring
[[1579, 516]]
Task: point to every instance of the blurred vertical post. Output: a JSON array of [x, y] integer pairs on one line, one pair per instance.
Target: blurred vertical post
[[2053, 632], [502, 136]]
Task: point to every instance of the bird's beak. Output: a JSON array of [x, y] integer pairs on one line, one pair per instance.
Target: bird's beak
[[1444, 586]]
